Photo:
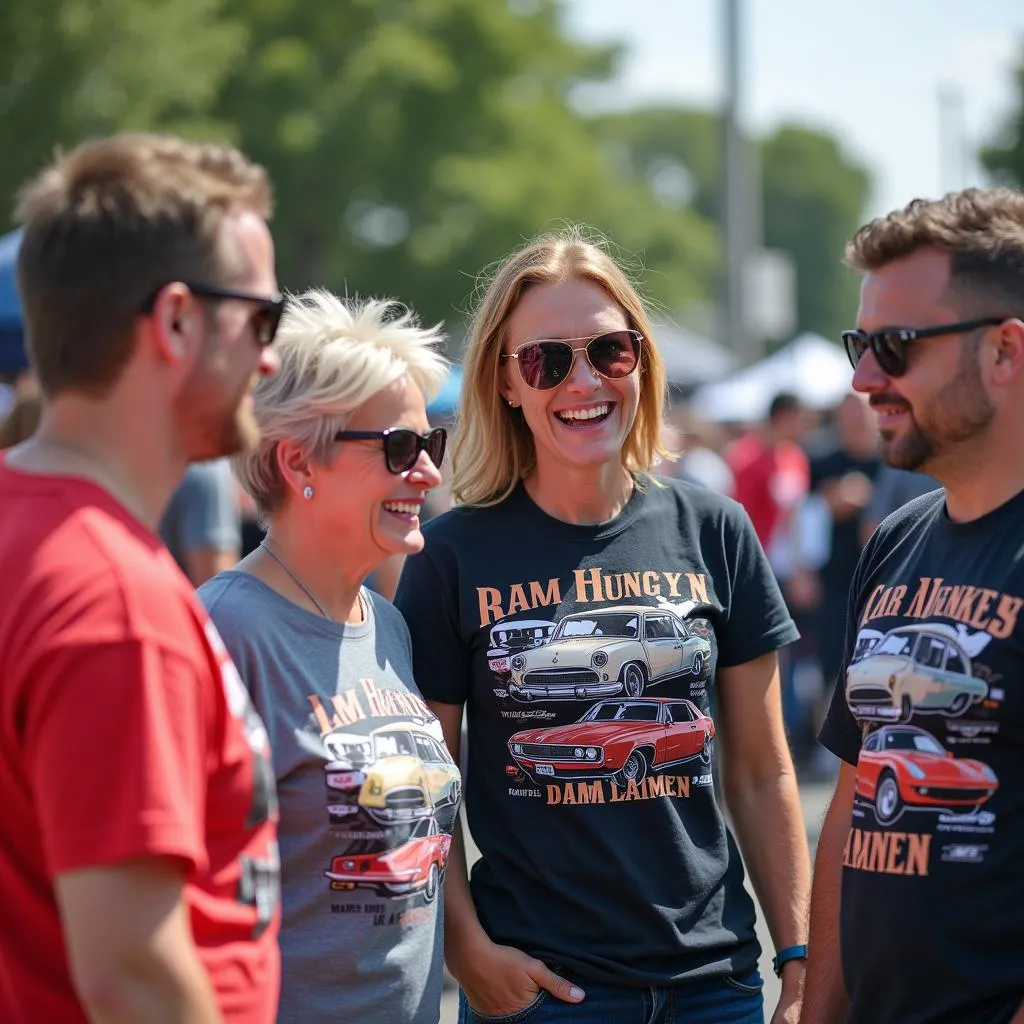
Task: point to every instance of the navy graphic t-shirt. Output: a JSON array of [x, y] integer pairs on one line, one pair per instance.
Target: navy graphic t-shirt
[[929, 707], [586, 656]]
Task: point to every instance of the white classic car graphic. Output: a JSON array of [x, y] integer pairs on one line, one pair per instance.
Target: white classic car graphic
[[601, 653], [509, 638], [916, 668]]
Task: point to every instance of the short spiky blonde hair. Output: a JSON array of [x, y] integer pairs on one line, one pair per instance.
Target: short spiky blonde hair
[[335, 355], [493, 449]]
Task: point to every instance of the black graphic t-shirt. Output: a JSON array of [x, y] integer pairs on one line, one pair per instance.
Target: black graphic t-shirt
[[586, 657], [930, 708]]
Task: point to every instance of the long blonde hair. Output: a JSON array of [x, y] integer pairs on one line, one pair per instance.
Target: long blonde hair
[[493, 448]]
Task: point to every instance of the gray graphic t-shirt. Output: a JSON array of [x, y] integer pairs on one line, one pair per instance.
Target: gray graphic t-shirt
[[368, 796]]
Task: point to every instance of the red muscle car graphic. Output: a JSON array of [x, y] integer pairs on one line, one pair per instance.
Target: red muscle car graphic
[[617, 739], [417, 864], [902, 766]]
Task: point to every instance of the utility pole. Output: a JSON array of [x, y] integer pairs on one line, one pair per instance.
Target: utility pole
[[737, 205], [952, 138]]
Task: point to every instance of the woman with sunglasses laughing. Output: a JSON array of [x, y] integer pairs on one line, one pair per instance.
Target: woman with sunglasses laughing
[[603, 630], [368, 793]]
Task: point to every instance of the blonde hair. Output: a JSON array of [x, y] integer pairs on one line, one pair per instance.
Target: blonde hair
[[335, 355], [493, 448]]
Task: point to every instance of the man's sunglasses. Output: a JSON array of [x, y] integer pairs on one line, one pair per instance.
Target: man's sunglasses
[[266, 319], [890, 345], [544, 364], [402, 447]]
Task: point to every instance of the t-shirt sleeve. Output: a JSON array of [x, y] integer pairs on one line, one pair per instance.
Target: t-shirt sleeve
[[840, 732], [755, 619], [115, 750], [441, 658], [208, 509]]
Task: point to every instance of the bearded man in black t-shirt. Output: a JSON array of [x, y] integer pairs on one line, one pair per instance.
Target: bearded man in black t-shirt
[[917, 913]]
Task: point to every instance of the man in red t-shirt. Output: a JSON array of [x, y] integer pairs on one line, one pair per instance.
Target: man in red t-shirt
[[772, 474], [138, 852]]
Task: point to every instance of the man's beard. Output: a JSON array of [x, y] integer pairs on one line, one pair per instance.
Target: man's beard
[[214, 426], [959, 412]]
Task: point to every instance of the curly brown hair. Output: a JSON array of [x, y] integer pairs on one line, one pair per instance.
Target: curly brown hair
[[982, 230]]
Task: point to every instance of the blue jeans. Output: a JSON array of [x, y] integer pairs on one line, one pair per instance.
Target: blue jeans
[[712, 1001]]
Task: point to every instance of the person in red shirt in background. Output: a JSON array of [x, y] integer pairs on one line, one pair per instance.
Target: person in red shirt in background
[[138, 851], [772, 474]]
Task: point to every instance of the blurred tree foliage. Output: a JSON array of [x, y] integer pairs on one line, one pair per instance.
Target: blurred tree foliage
[[1004, 159], [812, 197], [74, 68], [414, 142]]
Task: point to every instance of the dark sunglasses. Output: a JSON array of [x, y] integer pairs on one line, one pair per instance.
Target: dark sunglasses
[[266, 319], [890, 345], [402, 447], [544, 364]]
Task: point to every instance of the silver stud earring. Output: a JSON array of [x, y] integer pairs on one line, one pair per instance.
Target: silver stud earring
[[511, 404], [307, 492]]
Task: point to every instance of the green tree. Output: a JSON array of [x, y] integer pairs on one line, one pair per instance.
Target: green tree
[[813, 200], [1004, 159], [812, 193], [413, 143], [75, 68]]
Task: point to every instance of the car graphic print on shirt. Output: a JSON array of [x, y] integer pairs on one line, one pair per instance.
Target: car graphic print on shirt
[[903, 767], [601, 653], [397, 773], [622, 740], [513, 636], [919, 668], [418, 865]]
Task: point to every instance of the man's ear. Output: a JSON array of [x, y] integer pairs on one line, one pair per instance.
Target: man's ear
[[1008, 348], [176, 323]]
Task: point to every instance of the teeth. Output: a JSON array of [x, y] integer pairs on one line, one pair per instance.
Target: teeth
[[584, 414], [407, 507]]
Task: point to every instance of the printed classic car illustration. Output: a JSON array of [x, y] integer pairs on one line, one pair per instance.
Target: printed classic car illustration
[[511, 637], [618, 739], [916, 668], [416, 865], [603, 653], [395, 773], [902, 766]]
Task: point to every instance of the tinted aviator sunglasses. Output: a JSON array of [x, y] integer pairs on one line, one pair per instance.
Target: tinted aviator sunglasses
[[890, 345], [402, 447], [265, 320], [545, 363]]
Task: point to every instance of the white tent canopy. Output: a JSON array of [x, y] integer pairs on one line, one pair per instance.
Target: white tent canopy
[[810, 367], [690, 358]]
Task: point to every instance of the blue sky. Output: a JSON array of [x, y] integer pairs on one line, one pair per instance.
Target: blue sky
[[870, 71]]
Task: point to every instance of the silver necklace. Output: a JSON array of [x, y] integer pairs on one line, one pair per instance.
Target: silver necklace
[[302, 586]]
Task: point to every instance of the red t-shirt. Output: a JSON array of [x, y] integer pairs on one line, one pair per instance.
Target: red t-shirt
[[125, 732], [770, 481]]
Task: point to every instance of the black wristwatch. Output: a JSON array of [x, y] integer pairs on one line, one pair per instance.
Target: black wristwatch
[[786, 954]]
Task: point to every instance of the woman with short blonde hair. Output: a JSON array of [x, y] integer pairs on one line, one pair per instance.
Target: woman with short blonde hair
[[602, 630], [368, 791]]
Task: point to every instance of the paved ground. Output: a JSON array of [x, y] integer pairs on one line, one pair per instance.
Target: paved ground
[[814, 796]]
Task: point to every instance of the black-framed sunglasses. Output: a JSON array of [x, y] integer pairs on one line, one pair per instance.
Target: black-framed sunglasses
[[266, 319], [890, 345], [402, 447], [545, 363]]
